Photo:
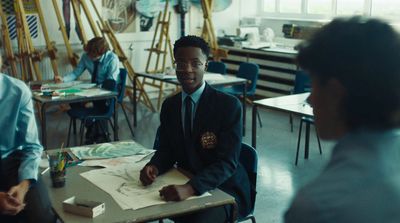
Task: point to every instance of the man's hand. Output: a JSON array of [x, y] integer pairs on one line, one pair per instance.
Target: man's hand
[[10, 205], [177, 192], [148, 174], [19, 191], [58, 79]]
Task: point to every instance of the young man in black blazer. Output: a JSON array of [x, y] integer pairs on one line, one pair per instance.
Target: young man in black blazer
[[202, 135]]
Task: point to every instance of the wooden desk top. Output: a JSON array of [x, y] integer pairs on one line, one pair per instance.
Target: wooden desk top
[[292, 103], [77, 186]]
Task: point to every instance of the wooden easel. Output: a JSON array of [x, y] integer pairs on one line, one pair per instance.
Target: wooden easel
[[106, 30], [30, 57], [208, 33], [11, 59], [159, 48], [51, 49], [73, 57], [77, 13]]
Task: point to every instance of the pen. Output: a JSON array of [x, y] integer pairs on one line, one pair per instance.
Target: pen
[[45, 170]]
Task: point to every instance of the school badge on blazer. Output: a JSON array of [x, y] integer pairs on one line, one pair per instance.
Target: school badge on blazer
[[208, 140]]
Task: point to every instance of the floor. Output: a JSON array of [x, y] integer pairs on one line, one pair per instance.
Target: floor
[[278, 177]]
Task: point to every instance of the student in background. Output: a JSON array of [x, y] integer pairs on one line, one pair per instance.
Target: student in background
[[355, 71], [103, 65], [23, 197], [201, 131]]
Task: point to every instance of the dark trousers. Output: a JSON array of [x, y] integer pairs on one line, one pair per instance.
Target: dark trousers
[[38, 206], [100, 127]]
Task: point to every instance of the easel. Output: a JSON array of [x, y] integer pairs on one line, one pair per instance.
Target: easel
[[30, 57], [11, 59], [208, 31], [52, 51], [77, 14], [107, 31], [73, 58], [159, 48]]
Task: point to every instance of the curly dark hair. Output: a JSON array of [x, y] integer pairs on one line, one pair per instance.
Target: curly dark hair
[[97, 46], [363, 54], [192, 41]]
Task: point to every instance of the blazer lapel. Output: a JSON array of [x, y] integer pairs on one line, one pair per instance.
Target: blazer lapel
[[203, 109]]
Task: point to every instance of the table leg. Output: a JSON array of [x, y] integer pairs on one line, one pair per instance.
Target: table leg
[[244, 108], [233, 213], [307, 143], [254, 126], [134, 102], [43, 125], [116, 138]]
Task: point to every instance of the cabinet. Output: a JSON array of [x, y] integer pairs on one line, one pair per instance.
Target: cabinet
[[277, 68]]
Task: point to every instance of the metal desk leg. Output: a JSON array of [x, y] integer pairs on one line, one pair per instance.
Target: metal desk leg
[[116, 138], [307, 143], [244, 108], [233, 213], [134, 101], [254, 126], [43, 125]]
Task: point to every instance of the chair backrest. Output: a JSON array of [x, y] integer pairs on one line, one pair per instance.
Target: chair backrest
[[122, 84], [302, 83], [216, 67], [250, 72], [156, 144], [249, 160]]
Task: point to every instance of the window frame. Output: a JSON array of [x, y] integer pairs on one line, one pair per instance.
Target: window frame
[[304, 15]]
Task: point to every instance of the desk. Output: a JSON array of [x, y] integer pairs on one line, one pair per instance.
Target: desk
[[295, 104], [80, 187], [44, 101], [227, 80]]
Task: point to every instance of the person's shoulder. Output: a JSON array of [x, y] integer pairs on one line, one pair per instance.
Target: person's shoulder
[[173, 97], [13, 82], [109, 55], [224, 98], [14, 86]]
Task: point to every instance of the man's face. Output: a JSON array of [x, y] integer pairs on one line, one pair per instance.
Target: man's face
[[94, 57], [326, 100], [190, 67]]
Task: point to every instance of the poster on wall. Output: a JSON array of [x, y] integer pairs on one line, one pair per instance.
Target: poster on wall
[[121, 15], [31, 17], [148, 12]]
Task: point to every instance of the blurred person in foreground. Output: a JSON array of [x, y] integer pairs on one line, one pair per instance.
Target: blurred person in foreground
[[355, 72]]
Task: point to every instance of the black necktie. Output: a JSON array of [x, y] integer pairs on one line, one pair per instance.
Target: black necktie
[[94, 74], [188, 117]]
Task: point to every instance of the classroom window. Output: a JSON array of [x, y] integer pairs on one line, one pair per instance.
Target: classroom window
[[290, 6], [269, 5], [317, 9], [350, 7], [387, 9]]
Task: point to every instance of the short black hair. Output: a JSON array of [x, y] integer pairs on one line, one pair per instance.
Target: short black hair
[[363, 54], [192, 41]]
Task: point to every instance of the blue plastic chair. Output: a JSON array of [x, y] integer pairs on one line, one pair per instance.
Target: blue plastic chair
[[121, 94], [249, 71], [249, 160], [302, 84], [216, 67], [89, 114]]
